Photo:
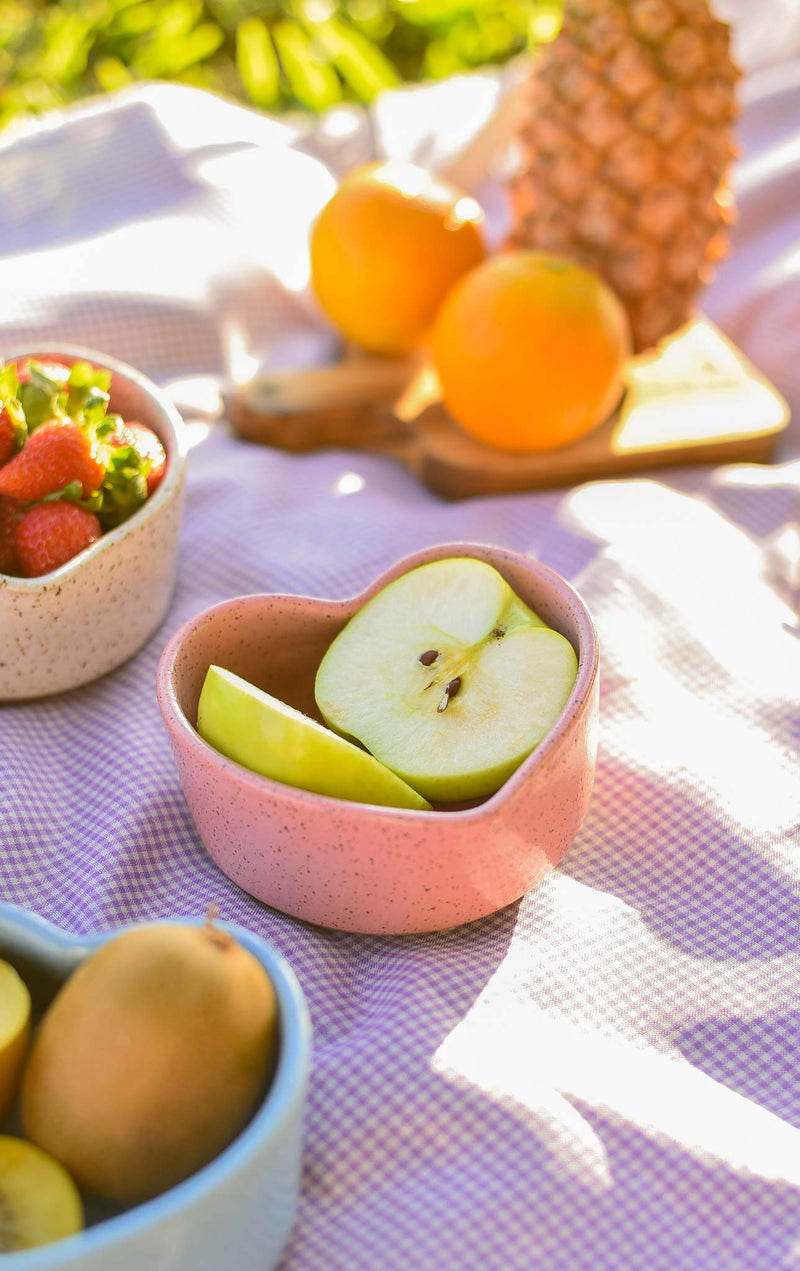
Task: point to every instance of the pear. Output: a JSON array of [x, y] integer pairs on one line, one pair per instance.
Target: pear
[[448, 678], [150, 1059], [264, 734], [39, 1202]]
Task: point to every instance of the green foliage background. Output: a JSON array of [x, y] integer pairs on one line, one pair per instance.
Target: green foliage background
[[275, 54]]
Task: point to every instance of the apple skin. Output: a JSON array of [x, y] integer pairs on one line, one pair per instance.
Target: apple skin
[[273, 739], [455, 725]]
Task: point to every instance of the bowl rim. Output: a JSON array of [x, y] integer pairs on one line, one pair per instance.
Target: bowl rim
[[588, 662], [29, 934], [176, 439]]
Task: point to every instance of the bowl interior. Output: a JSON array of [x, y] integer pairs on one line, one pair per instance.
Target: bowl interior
[[278, 641], [275, 642], [42, 978]]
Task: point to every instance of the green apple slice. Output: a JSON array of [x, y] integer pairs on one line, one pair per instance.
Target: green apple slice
[[448, 678], [264, 734]]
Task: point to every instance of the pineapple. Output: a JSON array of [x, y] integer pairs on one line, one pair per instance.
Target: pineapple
[[626, 152]]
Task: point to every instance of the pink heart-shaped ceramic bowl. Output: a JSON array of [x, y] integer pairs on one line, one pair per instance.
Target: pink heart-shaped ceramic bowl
[[354, 866]]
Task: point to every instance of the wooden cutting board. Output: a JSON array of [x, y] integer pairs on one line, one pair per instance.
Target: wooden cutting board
[[696, 399]]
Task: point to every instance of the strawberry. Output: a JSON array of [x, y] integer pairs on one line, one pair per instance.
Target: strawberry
[[147, 446], [56, 454], [8, 436], [50, 534], [9, 515]]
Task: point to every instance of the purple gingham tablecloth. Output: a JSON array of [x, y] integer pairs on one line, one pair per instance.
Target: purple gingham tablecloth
[[606, 1074]]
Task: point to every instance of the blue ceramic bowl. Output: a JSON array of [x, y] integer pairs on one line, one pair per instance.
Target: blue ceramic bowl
[[235, 1213]]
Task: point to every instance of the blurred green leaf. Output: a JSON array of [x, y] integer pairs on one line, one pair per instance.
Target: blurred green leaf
[[257, 63], [177, 17], [196, 47], [67, 43], [15, 20], [312, 82], [137, 19], [111, 74], [171, 51], [375, 19], [275, 54], [434, 12], [358, 60]]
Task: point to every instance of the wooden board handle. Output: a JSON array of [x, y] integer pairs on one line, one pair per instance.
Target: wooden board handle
[[351, 384], [348, 403]]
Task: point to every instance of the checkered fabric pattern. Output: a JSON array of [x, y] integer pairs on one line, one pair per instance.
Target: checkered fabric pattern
[[606, 1074]]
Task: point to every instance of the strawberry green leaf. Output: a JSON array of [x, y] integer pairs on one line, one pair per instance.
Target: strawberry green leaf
[[124, 487], [15, 413], [71, 493], [9, 403], [94, 405], [84, 375], [109, 425], [122, 457], [87, 395], [39, 402], [8, 381]]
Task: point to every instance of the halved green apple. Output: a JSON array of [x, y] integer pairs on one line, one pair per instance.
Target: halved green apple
[[448, 678], [264, 734]]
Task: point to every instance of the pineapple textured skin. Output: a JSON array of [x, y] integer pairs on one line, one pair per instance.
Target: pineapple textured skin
[[626, 153]]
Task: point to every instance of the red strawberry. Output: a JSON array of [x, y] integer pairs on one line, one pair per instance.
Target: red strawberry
[[54, 455], [9, 515], [147, 445], [8, 436], [51, 534]]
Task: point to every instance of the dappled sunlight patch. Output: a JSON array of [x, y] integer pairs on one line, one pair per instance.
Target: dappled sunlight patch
[[551, 1041], [689, 626]]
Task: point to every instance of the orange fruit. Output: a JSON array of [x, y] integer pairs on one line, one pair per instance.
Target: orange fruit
[[529, 350], [386, 250]]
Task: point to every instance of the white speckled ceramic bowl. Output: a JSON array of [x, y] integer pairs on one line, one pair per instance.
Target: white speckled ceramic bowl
[[356, 866], [237, 1212], [84, 619]]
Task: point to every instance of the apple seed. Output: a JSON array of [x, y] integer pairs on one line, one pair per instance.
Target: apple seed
[[429, 657], [451, 688]]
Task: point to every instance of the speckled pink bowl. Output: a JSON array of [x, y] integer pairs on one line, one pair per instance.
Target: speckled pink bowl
[[354, 866], [84, 619]]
